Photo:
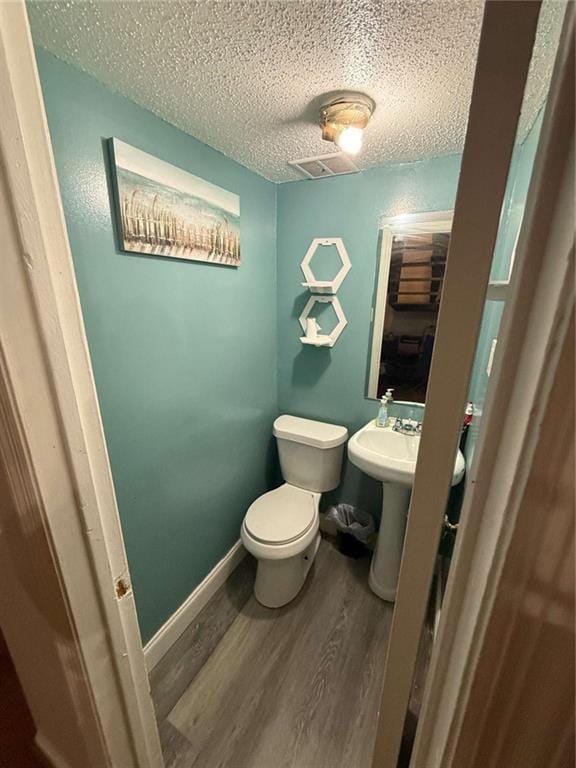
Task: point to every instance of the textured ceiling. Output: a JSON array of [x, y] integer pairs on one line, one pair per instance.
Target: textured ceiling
[[244, 76]]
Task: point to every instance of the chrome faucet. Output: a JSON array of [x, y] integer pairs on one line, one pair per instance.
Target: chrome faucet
[[407, 426]]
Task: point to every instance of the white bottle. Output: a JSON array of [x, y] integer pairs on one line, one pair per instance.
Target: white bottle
[[382, 418], [312, 328]]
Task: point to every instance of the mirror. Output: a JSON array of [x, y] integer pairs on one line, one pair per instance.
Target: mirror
[[408, 289]]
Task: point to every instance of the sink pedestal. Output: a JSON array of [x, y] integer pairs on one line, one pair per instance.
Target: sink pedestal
[[390, 456], [385, 565]]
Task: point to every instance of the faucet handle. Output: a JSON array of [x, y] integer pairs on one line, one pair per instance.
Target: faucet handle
[[407, 426]]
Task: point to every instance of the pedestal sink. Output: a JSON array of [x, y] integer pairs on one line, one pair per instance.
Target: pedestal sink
[[390, 456]]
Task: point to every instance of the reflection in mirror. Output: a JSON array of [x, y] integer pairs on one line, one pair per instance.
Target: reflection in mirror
[[409, 280]]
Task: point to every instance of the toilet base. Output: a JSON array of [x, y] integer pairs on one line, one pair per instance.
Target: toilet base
[[279, 581]]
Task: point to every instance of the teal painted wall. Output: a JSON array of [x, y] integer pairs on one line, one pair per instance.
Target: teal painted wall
[[184, 353], [176, 345], [327, 383], [510, 222]]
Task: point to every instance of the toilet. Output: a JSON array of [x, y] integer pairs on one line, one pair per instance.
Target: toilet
[[281, 527]]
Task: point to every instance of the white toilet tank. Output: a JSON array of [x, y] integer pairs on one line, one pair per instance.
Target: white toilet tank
[[310, 452]]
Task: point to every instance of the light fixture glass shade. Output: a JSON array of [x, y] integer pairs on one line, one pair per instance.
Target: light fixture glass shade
[[350, 140]]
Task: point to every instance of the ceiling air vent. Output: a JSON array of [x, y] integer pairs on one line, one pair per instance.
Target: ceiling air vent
[[325, 165]]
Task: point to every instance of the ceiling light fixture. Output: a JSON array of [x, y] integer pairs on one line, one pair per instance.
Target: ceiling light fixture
[[344, 118]]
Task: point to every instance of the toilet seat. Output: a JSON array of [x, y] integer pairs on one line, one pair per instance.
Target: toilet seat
[[282, 516]]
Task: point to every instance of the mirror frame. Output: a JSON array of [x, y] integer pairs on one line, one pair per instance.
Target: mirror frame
[[406, 224]]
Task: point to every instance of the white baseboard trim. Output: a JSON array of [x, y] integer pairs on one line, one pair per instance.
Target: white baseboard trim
[[51, 757], [169, 632]]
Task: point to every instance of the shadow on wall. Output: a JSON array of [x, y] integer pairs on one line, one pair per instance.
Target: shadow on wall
[[299, 304], [358, 489], [272, 470], [310, 363]]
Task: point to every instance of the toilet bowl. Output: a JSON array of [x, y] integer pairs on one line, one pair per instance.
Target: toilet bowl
[[281, 531], [281, 527]]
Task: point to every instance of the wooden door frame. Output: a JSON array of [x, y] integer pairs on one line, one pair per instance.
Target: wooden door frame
[[535, 324], [55, 471], [504, 54]]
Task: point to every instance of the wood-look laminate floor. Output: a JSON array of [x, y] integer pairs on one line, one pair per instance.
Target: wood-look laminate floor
[[294, 687]]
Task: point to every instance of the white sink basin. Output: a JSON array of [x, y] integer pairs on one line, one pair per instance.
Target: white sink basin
[[390, 457]]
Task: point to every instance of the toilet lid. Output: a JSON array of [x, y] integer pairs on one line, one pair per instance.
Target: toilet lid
[[281, 516]]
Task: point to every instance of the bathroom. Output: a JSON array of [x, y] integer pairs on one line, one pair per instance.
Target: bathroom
[[236, 429]]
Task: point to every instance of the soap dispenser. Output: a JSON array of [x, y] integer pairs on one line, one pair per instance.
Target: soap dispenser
[[382, 418]]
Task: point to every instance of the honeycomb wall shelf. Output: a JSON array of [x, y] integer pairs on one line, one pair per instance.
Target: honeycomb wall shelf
[[322, 286], [327, 339], [325, 286], [319, 341], [323, 291]]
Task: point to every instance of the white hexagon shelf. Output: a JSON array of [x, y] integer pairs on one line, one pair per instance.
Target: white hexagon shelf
[[325, 286], [323, 340]]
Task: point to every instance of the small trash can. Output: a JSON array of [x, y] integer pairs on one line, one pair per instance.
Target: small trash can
[[354, 526]]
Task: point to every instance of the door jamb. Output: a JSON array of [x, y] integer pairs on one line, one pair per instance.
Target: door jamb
[[504, 55], [54, 418], [535, 322]]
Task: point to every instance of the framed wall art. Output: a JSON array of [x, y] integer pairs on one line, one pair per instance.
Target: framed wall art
[[163, 210]]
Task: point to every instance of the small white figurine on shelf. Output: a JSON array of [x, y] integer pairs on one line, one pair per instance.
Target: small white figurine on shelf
[[312, 328]]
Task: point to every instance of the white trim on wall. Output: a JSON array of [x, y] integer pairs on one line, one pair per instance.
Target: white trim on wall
[[379, 310], [171, 630]]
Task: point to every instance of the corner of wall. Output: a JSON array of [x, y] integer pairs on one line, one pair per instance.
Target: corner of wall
[[277, 292]]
